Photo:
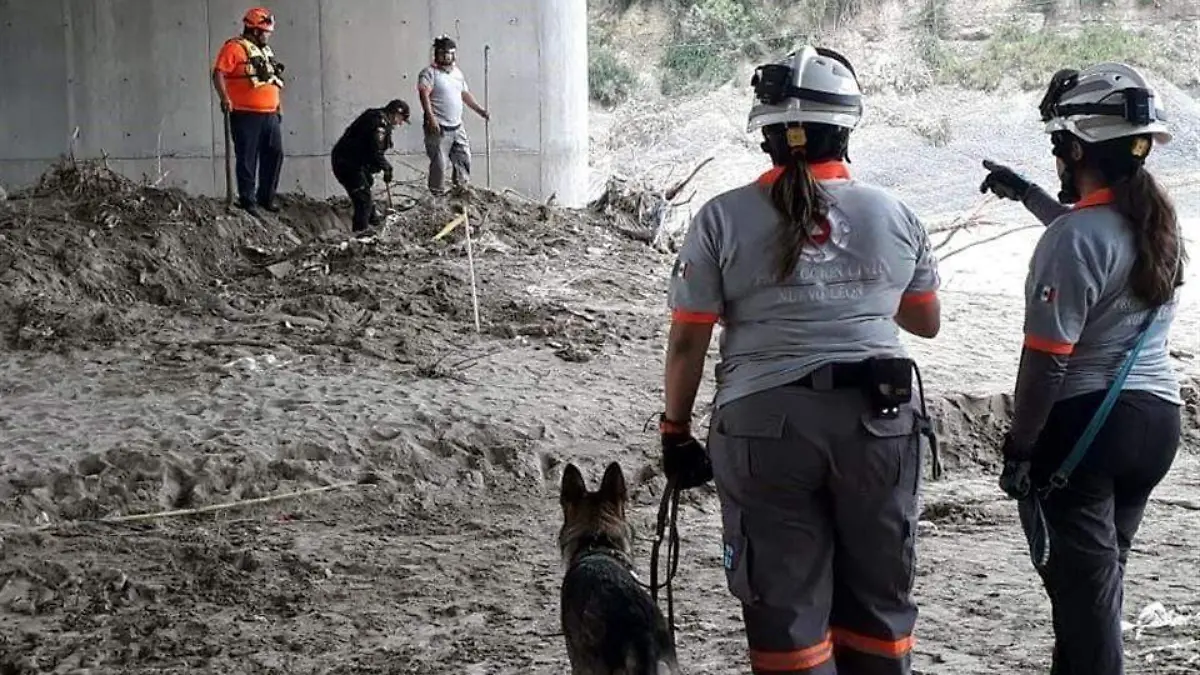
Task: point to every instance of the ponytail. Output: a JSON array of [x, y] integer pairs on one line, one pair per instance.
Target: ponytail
[[801, 202], [1158, 268]]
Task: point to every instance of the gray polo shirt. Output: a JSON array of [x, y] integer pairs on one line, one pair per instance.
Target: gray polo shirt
[[446, 93], [840, 303], [1078, 304]]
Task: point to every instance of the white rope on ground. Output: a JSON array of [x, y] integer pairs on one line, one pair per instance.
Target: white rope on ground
[[471, 265]]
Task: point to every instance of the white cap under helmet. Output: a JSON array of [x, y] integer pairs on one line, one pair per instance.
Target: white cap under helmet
[[807, 85], [1104, 102]]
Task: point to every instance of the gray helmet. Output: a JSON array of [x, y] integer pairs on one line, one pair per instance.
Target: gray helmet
[[1102, 103], [808, 85]]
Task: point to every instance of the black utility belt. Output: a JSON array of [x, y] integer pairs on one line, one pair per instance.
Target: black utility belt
[[456, 127], [887, 382], [835, 376]]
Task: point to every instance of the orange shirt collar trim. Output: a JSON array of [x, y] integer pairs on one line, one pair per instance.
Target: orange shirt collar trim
[[833, 170], [1097, 198]]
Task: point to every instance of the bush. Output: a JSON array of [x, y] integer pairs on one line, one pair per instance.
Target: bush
[[609, 81], [1041, 54], [712, 36], [692, 67], [1029, 59]]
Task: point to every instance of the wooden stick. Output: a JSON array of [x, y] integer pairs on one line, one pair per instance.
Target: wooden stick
[[160, 515], [459, 220], [471, 265], [228, 162]]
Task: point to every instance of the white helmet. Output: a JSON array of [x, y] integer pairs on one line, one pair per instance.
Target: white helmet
[[1104, 102], [809, 85]]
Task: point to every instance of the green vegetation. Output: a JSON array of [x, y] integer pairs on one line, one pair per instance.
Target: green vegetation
[[933, 17], [609, 81], [712, 37], [1030, 58]]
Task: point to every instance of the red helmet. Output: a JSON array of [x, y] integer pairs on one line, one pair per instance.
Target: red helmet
[[260, 18]]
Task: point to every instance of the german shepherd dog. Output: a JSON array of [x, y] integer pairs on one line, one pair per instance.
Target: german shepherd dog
[[612, 627]]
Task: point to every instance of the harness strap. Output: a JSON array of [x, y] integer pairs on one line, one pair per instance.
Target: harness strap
[[248, 70], [1060, 477]]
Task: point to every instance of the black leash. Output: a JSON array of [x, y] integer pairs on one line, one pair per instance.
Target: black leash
[[925, 428], [666, 527]]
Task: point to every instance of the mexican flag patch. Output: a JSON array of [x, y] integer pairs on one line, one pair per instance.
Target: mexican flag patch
[[681, 269], [1046, 293]]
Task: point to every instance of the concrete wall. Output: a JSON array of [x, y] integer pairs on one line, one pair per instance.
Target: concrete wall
[[133, 77]]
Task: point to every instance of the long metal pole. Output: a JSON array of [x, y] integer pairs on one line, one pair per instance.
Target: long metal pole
[[487, 124]]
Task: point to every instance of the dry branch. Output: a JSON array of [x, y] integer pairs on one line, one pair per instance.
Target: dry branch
[[671, 193], [1189, 504], [987, 240], [214, 508]]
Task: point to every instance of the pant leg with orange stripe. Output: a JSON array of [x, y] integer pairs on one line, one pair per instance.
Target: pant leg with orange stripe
[[819, 519]]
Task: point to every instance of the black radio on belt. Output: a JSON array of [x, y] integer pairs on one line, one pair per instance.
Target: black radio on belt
[[889, 385]]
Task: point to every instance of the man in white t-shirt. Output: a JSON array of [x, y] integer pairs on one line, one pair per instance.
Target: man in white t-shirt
[[443, 91]]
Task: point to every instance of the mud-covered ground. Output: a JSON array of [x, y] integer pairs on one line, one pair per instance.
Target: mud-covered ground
[[162, 355]]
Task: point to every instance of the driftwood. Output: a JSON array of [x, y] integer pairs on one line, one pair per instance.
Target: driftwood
[[644, 213]]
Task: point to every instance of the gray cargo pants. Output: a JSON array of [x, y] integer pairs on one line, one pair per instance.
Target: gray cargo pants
[[451, 144], [819, 509]]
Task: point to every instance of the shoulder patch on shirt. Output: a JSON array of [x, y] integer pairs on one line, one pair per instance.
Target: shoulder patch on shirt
[[1046, 293]]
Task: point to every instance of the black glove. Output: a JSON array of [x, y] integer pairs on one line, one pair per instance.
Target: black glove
[[1015, 479], [1004, 182], [279, 67], [684, 459], [387, 174]]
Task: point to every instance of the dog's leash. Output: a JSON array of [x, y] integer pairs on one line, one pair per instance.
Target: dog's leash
[[666, 527]]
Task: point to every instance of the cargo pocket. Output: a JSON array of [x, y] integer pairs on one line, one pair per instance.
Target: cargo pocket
[[891, 474], [736, 557], [745, 438], [891, 452]]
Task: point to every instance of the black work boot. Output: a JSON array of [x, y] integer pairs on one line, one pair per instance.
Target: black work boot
[[248, 206]]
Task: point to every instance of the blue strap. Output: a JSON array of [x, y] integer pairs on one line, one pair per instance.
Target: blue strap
[[1059, 479]]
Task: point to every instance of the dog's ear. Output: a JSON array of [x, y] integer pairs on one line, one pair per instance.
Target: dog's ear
[[573, 487], [612, 488]]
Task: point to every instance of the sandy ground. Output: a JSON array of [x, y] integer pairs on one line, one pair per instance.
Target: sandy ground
[[160, 355]]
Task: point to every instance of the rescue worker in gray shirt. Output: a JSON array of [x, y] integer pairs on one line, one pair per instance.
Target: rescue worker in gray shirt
[[814, 443], [1105, 270], [443, 91]]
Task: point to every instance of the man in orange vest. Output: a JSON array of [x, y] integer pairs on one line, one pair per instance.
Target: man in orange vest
[[248, 82]]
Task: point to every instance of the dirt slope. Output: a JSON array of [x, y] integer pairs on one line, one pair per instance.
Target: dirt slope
[[157, 356]]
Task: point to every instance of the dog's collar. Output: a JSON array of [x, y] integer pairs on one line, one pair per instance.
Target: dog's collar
[[601, 549]]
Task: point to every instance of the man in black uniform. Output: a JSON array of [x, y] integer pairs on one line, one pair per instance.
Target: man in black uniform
[[359, 154]]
